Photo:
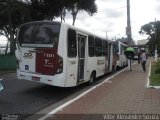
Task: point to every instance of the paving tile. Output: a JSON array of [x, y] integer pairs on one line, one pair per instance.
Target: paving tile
[[125, 94]]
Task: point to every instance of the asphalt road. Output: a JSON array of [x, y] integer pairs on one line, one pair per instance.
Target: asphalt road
[[24, 98]]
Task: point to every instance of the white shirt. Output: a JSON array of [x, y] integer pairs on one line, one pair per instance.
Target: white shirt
[[143, 57]]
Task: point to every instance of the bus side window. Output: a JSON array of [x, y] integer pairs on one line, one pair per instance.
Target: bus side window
[[98, 46], [72, 44], [91, 45], [105, 48]]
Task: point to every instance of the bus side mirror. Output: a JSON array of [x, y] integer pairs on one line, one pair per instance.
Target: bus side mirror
[[129, 53]]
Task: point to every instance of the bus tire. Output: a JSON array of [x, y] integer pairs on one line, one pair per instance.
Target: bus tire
[[117, 68], [92, 78]]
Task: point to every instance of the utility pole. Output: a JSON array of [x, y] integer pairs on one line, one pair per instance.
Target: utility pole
[[128, 31]]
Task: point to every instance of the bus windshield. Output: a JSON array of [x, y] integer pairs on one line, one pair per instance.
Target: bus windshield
[[39, 34]]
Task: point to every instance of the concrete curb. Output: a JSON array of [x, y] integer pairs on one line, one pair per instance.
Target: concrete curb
[[7, 72]]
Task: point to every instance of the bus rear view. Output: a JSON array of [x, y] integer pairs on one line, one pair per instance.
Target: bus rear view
[[37, 53], [62, 55]]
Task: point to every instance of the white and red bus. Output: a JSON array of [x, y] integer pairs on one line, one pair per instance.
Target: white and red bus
[[58, 54]]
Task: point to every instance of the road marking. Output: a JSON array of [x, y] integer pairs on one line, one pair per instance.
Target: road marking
[[50, 114]]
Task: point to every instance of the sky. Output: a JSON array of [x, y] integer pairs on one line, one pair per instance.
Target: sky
[[3, 40], [111, 18]]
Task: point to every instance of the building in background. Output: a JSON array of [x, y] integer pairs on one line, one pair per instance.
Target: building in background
[[125, 41], [142, 42]]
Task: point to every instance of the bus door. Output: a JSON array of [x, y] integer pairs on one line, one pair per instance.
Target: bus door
[[81, 57], [105, 53]]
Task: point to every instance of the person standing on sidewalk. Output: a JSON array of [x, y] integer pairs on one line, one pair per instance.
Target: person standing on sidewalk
[[143, 60], [139, 56]]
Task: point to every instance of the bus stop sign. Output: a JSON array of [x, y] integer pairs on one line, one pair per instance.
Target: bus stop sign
[[130, 52]]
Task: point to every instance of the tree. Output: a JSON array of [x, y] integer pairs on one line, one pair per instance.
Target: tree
[[15, 12], [50, 9], [152, 29], [47, 9], [12, 15], [76, 6]]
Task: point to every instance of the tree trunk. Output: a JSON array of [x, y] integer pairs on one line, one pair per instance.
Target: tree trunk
[[12, 45], [74, 17], [61, 15], [11, 39], [6, 48]]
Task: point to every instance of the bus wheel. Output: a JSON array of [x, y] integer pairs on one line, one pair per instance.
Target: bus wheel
[[92, 78], [117, 68]]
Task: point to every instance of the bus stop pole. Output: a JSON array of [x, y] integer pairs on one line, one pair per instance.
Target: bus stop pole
[[129, 64]]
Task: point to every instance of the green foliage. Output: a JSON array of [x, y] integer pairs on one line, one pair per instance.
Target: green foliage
[[152, 29], [50, 9], [45, 9], [155, 80], [13, 13], [81, 5], [157, 70], [154, 77]]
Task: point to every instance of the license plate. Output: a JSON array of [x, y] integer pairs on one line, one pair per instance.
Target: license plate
[[36, 78]]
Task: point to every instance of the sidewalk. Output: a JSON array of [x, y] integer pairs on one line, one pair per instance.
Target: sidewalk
[[124, 94]]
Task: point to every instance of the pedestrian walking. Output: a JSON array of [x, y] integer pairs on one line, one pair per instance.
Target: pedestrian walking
[[139, 56], [143, 60]]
